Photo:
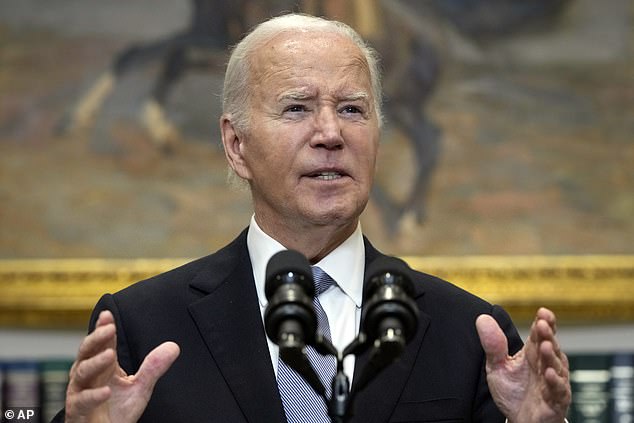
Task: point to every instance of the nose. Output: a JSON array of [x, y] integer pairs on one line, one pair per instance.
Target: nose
[[328, 131]]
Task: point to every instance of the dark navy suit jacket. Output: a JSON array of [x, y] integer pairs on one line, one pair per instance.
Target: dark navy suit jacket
[[209, 307]]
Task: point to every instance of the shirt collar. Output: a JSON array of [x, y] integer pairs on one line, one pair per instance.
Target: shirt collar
[[345, 264]]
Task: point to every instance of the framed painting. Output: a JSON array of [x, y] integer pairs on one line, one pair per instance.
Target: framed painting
[[505, 163]]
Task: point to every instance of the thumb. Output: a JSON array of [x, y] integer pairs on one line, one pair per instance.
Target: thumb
[[156, 364], [492, 339]]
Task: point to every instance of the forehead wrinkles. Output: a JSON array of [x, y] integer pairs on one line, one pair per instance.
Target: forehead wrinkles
[[291, 56]]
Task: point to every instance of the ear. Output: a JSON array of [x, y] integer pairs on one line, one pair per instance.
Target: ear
[[233, 143]]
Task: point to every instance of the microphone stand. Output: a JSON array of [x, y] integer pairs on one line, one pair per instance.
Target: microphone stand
[[385, 350], [339, 403], [338, 406], [389, 320]]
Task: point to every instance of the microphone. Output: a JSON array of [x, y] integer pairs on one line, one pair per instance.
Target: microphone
[[289, 318], [389, 318], [390, 314]]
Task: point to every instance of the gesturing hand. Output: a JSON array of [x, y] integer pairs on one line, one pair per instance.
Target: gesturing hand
[[533, 385], [99, 390]]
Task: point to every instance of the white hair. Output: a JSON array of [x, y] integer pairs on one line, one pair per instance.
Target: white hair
[[236, 90]]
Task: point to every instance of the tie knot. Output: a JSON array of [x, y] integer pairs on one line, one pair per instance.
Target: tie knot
[[323, 281]]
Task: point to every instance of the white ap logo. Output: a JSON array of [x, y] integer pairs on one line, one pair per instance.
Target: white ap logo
[[19, 415]]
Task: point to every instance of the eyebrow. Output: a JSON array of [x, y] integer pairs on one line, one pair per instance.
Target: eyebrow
[[306, 95], [296, 95], [360, 95]]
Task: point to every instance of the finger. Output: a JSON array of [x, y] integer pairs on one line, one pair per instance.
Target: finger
[[566, 365], [101, 338], [104, 318], [156, 363], [493, 340], [548, 359], [83, 403], [557, 389], [555, 343], [548, 344], [542, 329], [553, 358], [91, 372], [547, 315]]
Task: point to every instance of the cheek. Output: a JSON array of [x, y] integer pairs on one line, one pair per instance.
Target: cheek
[[367, 154], [270, 164], [277, 151]]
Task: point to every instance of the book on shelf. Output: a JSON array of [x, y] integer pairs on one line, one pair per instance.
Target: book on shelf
[[53, 383], [35, 385], [1, 389], [622, 388], [590, 383], [601, 386], [21, 384]]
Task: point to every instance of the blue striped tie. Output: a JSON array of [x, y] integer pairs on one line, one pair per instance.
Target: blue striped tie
[[301, 403]]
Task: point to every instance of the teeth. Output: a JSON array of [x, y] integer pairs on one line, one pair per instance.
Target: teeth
[[328, 176]]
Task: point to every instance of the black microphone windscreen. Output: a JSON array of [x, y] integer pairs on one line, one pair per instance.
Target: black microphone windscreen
[[284, 262], [384, 265]]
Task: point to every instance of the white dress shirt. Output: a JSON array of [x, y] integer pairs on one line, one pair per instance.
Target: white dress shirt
[[342, 303]]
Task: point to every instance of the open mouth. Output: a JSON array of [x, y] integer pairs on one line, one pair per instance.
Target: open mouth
[[327, 176]]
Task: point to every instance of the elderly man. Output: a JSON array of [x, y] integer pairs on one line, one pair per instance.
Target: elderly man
[[302, 112]]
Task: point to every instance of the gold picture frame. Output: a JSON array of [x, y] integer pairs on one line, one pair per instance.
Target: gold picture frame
[[60, 293]]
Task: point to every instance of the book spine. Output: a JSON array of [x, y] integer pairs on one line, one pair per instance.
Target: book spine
[[590, 383], [622, 388], [1, 389], [54, 381], [21, 390]]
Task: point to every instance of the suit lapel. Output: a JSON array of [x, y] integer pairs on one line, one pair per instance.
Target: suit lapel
[[379, 398], [229, 320]]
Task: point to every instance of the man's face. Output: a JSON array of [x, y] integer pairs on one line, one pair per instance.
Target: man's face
[[311, 147]]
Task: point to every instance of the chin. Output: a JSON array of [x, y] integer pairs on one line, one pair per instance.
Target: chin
[[338, 216]]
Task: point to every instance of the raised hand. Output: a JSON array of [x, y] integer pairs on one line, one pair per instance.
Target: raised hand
[[533, 385], [99, 390]]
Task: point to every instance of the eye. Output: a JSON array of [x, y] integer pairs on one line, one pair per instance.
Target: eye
[[351, 109], [295, 108]]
